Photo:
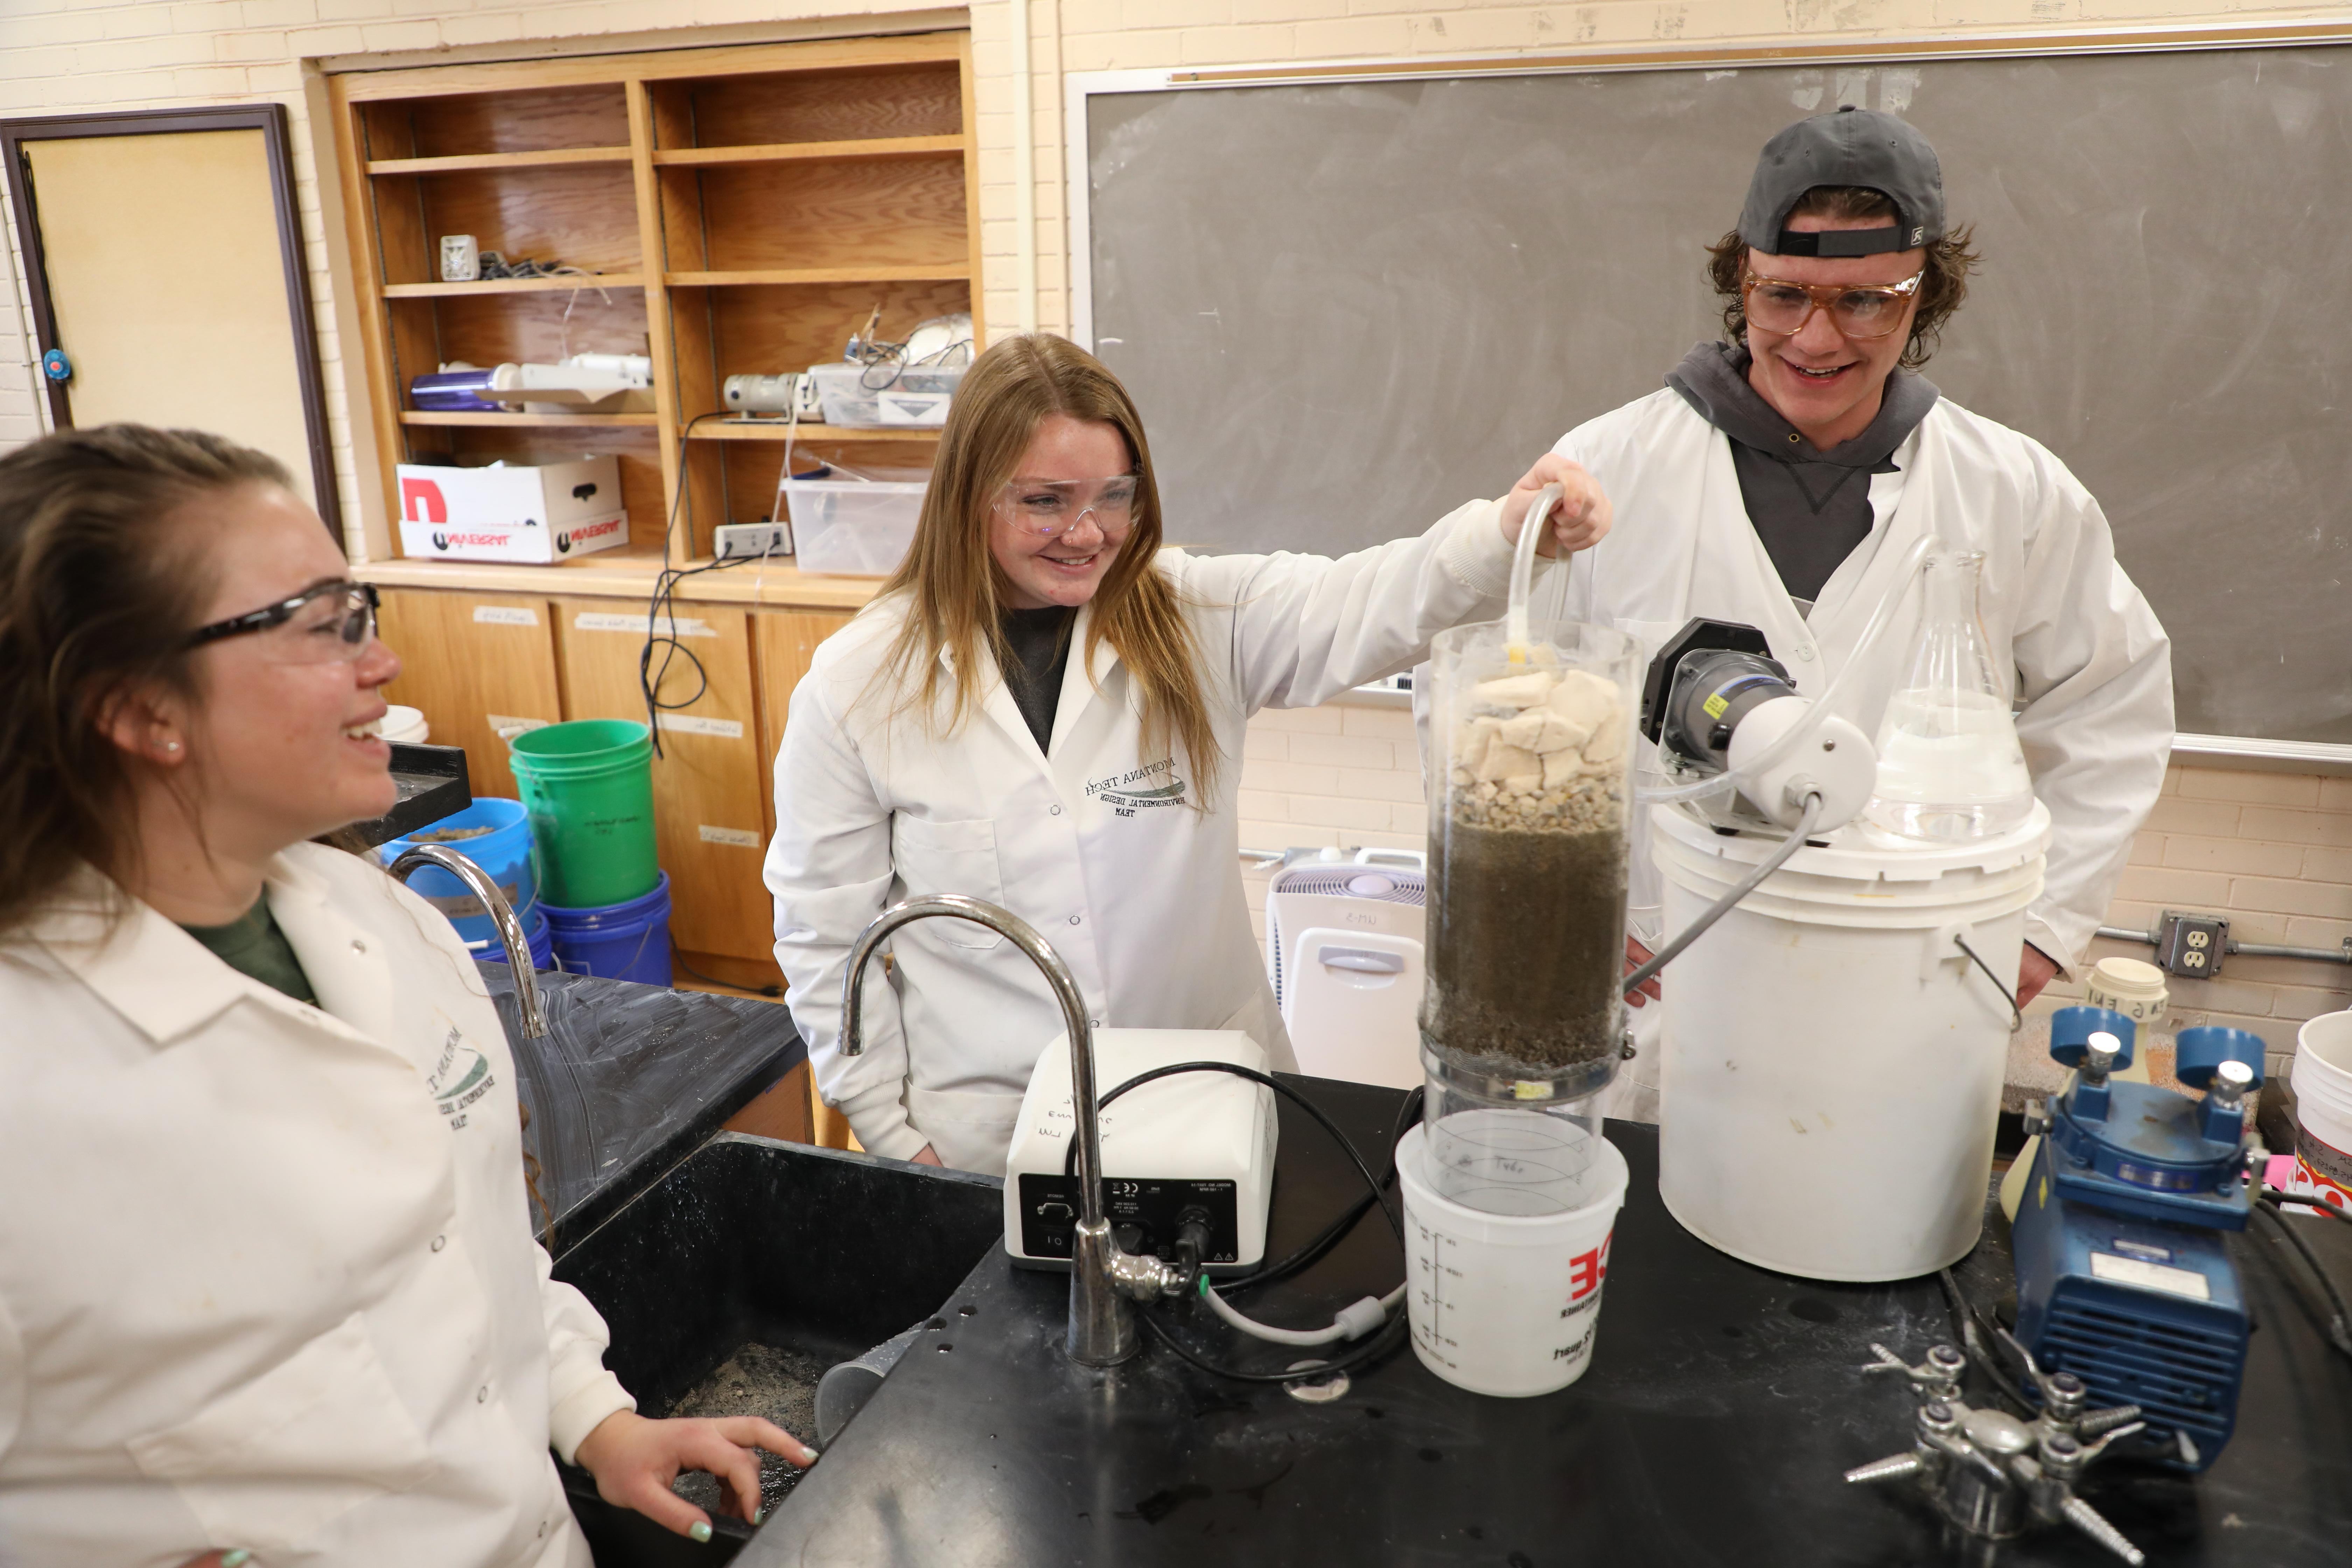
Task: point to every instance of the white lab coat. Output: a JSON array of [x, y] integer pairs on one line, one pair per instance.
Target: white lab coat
[[1110, 854], [2067, 627], [267, 1276]]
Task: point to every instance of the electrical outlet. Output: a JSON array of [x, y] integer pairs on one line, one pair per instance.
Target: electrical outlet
[[2191, 945], [740, 540]]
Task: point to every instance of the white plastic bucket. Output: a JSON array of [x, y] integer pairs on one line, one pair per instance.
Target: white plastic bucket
[[403, 725], [2322, 1106], [1830, 1068], [1505, 1304]]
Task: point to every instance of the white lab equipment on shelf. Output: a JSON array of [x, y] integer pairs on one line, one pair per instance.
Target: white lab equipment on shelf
[[1343, 942]]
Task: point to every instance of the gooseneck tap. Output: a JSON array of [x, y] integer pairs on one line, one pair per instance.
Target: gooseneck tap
[[477, 881], [1102, 1325]]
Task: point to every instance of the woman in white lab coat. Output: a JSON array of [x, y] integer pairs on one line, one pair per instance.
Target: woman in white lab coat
[[268, 1292], [939, 744]]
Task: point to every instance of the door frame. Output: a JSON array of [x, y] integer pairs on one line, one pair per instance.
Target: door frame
[[270, 120]]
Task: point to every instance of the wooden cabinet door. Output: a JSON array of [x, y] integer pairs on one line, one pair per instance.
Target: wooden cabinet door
[[784, 641], [709, 823], [473, 663]]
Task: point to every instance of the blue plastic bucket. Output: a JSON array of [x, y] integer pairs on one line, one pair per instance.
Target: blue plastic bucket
[[504, 853], [536, 931], [627, 941]]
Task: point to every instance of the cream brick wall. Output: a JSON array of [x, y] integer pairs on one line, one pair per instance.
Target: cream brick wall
[[2274, 851]]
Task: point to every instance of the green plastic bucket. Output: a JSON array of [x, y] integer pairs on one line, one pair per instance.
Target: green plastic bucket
[[589, 787]]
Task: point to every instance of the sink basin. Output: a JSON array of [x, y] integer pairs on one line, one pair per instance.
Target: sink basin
[[629, 1080], [734, 1280]]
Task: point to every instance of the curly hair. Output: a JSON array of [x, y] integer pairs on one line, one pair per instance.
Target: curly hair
[[1949, 262]]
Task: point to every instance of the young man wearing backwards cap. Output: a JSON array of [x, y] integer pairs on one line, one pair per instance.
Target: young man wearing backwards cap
[[1779, 477]]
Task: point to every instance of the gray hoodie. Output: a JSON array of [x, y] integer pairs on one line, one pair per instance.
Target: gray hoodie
[[1810, 507]]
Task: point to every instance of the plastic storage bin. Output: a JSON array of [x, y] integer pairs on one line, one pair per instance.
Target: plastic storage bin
[[868, 394], [589, 786], [854, 527], [536, 933], [498, 841], [627, 941]]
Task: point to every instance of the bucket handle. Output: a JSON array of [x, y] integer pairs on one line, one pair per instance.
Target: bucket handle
[[1951, 944]]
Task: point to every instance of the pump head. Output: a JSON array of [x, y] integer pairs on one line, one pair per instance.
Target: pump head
[[1716, 701]]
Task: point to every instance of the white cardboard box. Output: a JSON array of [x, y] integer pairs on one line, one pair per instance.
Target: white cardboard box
[[513, 511], [531, 542]]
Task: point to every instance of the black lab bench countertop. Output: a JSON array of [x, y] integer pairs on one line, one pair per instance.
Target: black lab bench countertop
[[1721, 1409]]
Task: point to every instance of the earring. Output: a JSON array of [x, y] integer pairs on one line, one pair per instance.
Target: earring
[[173, 746]]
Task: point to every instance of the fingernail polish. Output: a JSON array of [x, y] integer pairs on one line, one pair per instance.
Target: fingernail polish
[[701, 1531], [236, 1559], [758, 1514]]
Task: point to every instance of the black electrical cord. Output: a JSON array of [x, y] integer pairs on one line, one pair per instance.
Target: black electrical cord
[[1070, 1155], [660, 609], [2282, 1198], [1973, 1331], [1310, 1252], [1379, 1342], [2339, 1327]]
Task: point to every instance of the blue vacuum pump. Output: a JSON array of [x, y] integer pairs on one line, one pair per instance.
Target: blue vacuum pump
[[2123, 1278]]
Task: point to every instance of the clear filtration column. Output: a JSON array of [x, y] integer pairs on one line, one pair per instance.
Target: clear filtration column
[[1523, 1020]]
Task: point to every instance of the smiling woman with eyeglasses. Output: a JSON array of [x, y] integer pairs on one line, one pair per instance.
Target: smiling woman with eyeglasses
[[267, 1287], [1044, 708]]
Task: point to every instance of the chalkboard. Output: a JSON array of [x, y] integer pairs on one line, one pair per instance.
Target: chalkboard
[[1346, 307]]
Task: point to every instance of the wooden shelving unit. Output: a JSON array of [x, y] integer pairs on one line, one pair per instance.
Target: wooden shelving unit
[[494, 286], [807, 435], [741, 211], [552, 421], [736, 211]]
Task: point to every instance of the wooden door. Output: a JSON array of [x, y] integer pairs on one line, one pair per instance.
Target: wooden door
[[709, 823], [164, 258], [474, 664]]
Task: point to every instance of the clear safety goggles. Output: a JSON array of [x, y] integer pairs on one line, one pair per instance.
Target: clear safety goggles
[[1048, 507], [327, 623]]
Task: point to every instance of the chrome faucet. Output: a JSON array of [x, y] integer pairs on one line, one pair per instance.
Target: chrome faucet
[[1102, 1276], [503, 916]]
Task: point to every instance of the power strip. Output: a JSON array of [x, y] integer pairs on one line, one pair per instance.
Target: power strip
[[741, 541]]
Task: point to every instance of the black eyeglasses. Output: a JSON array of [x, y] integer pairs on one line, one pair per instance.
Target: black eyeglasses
[[331, 621]]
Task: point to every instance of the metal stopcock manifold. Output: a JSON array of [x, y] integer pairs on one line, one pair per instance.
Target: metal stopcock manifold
[[1990, 1473]]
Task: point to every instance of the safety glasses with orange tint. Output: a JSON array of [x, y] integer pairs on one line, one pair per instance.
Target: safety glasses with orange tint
[[1857, 310]]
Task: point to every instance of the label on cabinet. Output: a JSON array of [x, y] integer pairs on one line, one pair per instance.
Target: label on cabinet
[[735, 835], [682, 627], [505, 616], [687, 724]]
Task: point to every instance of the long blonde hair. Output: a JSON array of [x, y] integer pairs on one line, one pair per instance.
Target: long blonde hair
[[955, 591]]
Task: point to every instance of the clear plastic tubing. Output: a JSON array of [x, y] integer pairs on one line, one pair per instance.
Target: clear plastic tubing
[[1771, 756]]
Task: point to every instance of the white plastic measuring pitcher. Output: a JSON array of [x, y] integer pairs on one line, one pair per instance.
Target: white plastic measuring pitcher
[[1507, 1304]]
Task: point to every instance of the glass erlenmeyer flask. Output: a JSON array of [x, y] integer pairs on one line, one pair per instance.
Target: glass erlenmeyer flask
[[1950, 767]]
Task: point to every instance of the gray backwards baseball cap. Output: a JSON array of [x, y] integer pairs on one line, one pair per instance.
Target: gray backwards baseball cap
[[1848, 147]]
